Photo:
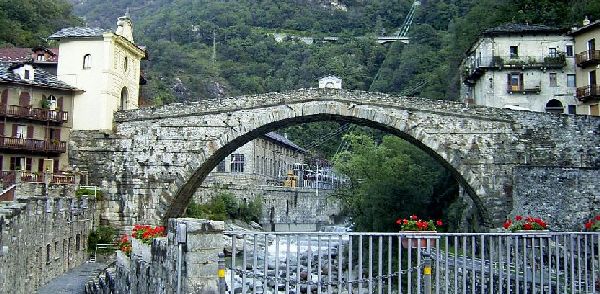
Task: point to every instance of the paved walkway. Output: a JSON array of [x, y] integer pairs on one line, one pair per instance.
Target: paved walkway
[[73, 281]]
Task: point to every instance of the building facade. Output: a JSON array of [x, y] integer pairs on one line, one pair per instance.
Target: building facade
[[36, 119], [106, 65], [521, 66], [588, 67], [263, 161]]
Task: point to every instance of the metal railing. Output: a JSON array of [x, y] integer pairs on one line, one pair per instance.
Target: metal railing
[[9, 177], [588, 92], [34, 145], [589, 57], [40, 114], [542, 262]]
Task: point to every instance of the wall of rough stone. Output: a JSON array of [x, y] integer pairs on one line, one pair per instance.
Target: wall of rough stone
[[283, 207], [153, 268], [157, 157], [41, 238], [565, 197]]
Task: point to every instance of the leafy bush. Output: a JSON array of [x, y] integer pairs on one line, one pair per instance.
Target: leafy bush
[[89, 192], [102, 235], [225, 206]]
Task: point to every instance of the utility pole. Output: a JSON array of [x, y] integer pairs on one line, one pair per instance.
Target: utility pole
[[214, 49]]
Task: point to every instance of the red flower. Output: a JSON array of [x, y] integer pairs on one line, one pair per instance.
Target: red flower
[[527, 226], [597, 218], [439, 223], [398, 221], [413, 217], [588, 225], [507, 224], [518, 218], [405, 222]]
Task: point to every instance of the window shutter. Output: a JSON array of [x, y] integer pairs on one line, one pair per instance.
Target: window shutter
[[55, 167], [29, 132], [59, 103], [28, 163], [57, 133], [508, 80], [4, 98], [41, 165], [1, 162], [521, 81], [1, 129], [13, 163], [24, 99], [14, 130]]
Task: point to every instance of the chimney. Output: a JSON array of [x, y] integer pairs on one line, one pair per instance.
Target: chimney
[[586, 21]]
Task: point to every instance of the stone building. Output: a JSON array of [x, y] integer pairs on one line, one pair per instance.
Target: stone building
[[330, 82], [588, 67], [106, 65], [36, 109], [40, 57], [263, 161], [521, 66]]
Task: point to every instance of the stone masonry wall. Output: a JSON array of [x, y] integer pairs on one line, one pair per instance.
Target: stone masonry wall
[[281, 205], [565, 197], [153, 268], [41, 238]]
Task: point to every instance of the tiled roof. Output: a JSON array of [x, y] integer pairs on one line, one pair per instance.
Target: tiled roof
[[17, 54], [283, 140], [511, 28], [78, 32], [41, 78]]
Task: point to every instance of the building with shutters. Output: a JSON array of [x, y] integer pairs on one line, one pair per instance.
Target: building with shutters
[[588, 67], [35, 113], [521, 66]]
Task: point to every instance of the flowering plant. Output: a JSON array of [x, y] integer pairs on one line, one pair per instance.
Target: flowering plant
[[143, 233], [528, 223], [593, 225], [146, 233], [413, 223], [125, 244]]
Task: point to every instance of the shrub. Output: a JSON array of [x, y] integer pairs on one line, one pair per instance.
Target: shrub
[[102, 235]]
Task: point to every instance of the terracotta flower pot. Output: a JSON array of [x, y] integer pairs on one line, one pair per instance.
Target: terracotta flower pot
[[414, 241]]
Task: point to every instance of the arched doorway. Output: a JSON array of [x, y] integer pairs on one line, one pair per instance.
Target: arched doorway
[[554, 106], [124, 98]]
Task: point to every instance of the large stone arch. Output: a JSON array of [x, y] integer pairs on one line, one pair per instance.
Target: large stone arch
[[161, 155]]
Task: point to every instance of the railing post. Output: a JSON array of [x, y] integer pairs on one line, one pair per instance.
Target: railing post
[[221, 273], [426, 273]]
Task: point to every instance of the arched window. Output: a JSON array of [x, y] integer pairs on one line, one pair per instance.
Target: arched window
[[87, 61], [554, 106], [124, 98], [52, 102]]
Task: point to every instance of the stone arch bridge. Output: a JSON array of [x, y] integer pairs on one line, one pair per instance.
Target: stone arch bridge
[[507, 161]]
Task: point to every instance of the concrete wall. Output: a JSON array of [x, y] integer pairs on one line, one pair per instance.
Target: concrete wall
[[153, 269], [41, 238]]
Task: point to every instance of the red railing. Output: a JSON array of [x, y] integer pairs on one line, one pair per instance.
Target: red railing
[[588, 92], [33, 145], [9, 177], [586, 58], [40, 114]]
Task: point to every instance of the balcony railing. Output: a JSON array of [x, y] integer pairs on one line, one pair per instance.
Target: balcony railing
[[9, 177], [477, 66], [588, 58], [33, 145], [587, 93], [40, 114], [521, 89]]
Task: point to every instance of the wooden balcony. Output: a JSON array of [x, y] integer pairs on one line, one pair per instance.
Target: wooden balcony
[[39, 114], [523, 90], [9, 177], [476, 67], [588, 58], [588, 93], [32, 145]]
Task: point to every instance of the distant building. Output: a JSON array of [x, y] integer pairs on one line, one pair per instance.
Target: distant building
[[40, 57], [521, 66], [36, 109], [106, 65], [588, 67], [330, 82], [262, 161]]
